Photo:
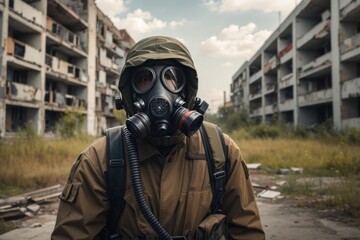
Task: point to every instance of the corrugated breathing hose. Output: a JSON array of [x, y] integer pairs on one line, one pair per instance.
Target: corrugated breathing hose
[[137, 187]]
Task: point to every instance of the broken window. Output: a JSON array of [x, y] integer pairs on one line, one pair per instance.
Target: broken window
[[19, 50], [15, 118], [51, 119], [71, 37], [20, 76], [71, 69]]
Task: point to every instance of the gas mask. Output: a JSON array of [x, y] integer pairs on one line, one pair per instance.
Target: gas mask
[[159, 100]]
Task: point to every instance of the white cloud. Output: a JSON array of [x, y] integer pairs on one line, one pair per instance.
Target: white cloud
[[139, 22], [136, 22], [285, 6], [111, 7], [235, 42]]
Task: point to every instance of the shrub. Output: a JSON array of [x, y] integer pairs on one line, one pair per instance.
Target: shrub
[[264, 131], [300, 132], [71, 122], [240, 134], [352, 135]]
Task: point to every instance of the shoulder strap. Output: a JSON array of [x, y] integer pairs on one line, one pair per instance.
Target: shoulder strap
[[216, 156], [116, 176]]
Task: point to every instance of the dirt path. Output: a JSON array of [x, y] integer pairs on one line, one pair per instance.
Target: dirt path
[[281, 221]]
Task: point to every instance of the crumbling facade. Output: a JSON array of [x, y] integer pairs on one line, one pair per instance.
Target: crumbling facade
[[308, 70], [58, 54]]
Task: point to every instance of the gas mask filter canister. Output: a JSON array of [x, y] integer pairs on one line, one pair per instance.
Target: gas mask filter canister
[[159, 93]]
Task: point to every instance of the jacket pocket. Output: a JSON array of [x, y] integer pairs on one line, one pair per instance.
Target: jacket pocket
[[212, 227], [69, 192]]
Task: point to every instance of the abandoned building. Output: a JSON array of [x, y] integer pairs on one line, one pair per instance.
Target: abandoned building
[[55, 55], [308, 70]]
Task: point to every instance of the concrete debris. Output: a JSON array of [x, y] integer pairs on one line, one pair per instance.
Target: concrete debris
[[28, 204], [284, 171], [35, 225], [253, 166], [11, 213], [255, 185], [33, 208], [269, 194], [29, 214], [295, 170], [280, 183]]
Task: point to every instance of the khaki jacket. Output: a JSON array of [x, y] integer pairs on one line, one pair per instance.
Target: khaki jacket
[[177, 188]]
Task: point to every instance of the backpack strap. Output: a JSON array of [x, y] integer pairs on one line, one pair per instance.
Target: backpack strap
[[216, 157], [116, 177]]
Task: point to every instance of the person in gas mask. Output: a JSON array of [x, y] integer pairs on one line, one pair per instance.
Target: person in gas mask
[[158, 87]]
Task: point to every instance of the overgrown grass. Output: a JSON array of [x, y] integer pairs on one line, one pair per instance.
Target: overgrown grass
[[318, 159], [32, 162]]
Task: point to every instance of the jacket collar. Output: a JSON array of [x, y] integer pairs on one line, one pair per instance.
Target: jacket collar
[[149, 147]]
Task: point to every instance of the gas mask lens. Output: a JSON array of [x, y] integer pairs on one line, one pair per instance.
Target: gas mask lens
[[173, 79], [143, 80]]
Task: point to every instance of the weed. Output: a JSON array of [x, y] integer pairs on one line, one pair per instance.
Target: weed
[[33, 163]]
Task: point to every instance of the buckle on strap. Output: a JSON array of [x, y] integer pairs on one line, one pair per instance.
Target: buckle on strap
[[117, 162], [219, 178], [178, 237], [220, 174]]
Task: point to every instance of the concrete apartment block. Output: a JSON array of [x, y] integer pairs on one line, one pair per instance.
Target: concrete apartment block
[[58, 54], [308, 70]]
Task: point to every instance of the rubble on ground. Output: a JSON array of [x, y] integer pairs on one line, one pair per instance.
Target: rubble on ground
[[28, 204], [271, 191]]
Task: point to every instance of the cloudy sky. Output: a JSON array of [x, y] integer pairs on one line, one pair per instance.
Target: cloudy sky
[[220, 34]]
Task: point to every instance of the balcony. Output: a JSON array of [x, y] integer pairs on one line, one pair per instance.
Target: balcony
[[350, 48], [255, 76], [115, 49], [26, 11], [286, 105], [351, 10], [287, 81], [63, 35], [108, 106], [65, 69], [351, 88], [256, 112], [270, 88], [22, 92], [271, 64], [286, 54], [317, 97], [270, 109], [320, 63], [314, 37], [23, 51], [71, 17], [255, 95], [104, 60], [60, 100], [125, 45]]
